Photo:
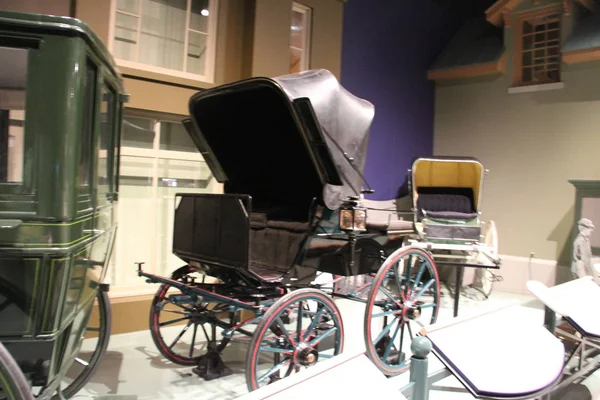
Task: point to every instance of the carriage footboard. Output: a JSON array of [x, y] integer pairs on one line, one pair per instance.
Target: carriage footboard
[[212, 228]]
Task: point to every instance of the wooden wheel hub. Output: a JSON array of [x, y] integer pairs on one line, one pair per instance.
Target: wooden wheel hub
[[305, 355], [411, 310]]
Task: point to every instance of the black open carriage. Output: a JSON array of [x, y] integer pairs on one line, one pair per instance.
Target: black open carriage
[[264, 260]]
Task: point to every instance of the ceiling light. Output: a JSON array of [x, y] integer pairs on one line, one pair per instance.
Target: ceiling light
[[204, 12]]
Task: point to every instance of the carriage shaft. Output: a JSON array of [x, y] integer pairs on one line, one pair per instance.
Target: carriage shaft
[[208, 295]]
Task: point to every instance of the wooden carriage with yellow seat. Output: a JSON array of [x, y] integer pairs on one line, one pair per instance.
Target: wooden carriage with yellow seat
[[446, 197]]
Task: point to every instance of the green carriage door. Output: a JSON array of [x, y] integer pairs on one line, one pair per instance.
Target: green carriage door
[[106, 181], [106, 185]]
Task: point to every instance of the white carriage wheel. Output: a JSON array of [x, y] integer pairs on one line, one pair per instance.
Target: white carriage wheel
[[484, 276], [491, 238]]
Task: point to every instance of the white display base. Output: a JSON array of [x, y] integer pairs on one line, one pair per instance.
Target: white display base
[[347, 376], [577, 299], [504, 353]]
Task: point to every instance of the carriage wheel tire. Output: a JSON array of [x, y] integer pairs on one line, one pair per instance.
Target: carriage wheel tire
[[13, 384], [390, 262], [105, 313], [157, 337], [269, 317]]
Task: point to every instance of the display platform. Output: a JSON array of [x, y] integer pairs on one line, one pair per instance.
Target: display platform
[[341, 377], [504, 353]]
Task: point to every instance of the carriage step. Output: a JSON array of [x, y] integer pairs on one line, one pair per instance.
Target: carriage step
[[211, 366]]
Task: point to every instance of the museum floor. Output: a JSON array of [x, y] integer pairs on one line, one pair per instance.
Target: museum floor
[[134, 370]]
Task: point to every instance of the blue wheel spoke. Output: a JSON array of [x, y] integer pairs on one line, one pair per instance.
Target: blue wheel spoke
[[174, 321], [322, 336], [427, 305], [388, 294], [313, 323], [274, 349], [183, 331], [299, 325], [383, 314], [273, 369], [424, 288], [285, 332], [420, 274], [326, 356], [386, 330], [386, 353], [408, 271]]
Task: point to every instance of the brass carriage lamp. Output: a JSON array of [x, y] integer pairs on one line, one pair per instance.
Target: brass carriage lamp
[[353, 218]]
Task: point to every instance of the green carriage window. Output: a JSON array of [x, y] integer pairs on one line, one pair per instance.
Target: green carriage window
[[107, 115], [13, 82], [87, 126]]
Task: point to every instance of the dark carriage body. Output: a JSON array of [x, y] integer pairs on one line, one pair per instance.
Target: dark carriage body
[[60, 101], [290, 152]]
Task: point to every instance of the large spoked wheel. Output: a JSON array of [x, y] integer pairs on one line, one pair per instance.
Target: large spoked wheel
[[300, 329], [484, 277], [175, 319], [95, 342], [405, 296], [13, 384]]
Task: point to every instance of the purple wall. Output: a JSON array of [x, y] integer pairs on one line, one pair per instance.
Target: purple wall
[[388, 46]]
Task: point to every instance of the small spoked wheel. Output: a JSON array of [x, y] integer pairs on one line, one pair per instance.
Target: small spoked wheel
[[95, 342], [484, 277], [405, 296], [299, 330], [177, 322], [13, 384]]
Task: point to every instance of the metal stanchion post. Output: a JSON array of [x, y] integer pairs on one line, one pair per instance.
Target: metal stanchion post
[[420, 347]]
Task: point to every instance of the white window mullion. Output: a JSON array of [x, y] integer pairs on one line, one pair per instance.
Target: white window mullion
[[186, 40], [306, 13], [210, 59], [128, 13], [155, 203], [306, 39], [139, 32]]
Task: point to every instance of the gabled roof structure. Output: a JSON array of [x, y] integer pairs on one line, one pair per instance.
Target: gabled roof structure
[[478, 47], [497, 12]]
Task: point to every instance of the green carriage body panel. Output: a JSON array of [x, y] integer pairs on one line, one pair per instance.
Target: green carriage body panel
[[57, 229]]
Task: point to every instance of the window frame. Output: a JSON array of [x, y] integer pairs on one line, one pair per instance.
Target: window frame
[[211, 43], [26, 186], [103, 81], [106, 88], [307, 39], [119, 287], [518, 52]]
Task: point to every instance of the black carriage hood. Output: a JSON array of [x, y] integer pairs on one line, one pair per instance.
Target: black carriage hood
[[260, 136]]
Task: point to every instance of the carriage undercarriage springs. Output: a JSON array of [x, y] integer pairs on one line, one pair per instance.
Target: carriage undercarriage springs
[[263, 262]]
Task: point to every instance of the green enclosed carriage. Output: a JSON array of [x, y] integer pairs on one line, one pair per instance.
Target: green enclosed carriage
[[61, 101]]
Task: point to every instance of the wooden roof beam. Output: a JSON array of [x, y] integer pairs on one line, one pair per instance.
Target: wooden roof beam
[[579, 56], [589, 4], [468, 71], [498, 12]]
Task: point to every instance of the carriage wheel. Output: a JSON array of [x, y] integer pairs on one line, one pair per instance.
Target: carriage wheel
[[405, 295], [484, 277], [175, 319], [300, 329], [13, 385], [86, 363]]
